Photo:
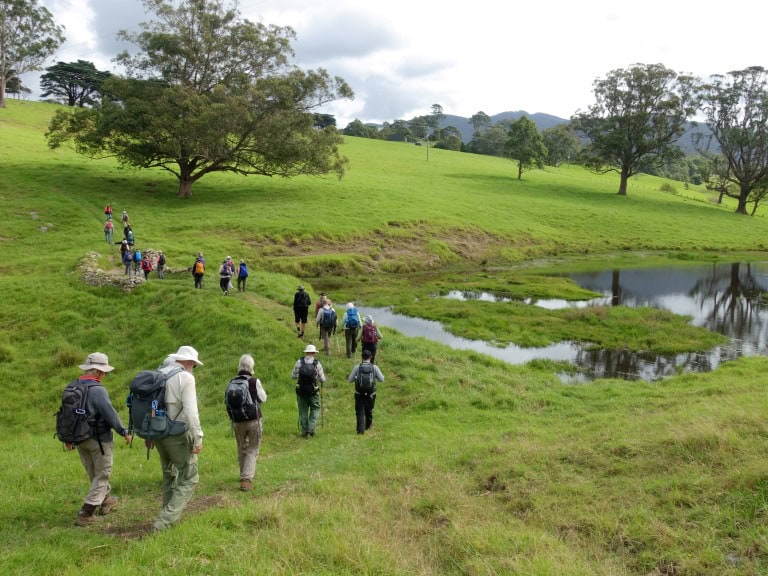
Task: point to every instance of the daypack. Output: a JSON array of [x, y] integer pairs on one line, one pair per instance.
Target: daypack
[[328, 320], [238, 401], [199, 267], [73, 423], [365, 383], [303, 299], [353, 318], [146, 406], [137, 256], [161, 260], [307, 382], [369, 334], [243, 272]]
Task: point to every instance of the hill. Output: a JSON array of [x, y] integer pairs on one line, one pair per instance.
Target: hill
[[472, 466]]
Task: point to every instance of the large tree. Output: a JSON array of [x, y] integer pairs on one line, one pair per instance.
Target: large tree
[[638, 115], [208, 92], [524, 145], [562, 144], [28, 35], [76, 83], [736, 110]]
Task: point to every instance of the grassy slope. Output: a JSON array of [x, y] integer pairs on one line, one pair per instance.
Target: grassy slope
[[473, 467]]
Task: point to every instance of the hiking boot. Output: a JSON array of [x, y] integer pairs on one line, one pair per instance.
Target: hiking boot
[[109, 503], [86, 516], [245, 485]]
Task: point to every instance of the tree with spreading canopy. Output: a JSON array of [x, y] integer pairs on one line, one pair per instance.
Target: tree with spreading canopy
[[28, 35], [639, 114], [208, 92], [561, 143], [524, 145], [736, 110], [76, 83]]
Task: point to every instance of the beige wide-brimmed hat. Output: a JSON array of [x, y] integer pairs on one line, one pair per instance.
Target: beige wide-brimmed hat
[[310, 349], [186, 353], [97, 361]]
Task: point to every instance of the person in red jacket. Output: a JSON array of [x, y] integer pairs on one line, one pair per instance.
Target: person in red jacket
[[146, 266]]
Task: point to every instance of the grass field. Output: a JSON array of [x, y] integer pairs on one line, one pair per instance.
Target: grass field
[[473, 467]]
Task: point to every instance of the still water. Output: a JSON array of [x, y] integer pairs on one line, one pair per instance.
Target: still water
[[725, 298]]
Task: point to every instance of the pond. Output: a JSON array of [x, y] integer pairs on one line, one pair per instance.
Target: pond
[[725, 298]]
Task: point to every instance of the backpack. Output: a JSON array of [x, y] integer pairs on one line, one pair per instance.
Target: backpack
[[328, 320], [73, 423], [161, 260], [307, 382], [146, 406], [238, 401], [199, 267], [365, 383], [243, 272], [369, 334], [353, 318], [303, 300], [137, 256]]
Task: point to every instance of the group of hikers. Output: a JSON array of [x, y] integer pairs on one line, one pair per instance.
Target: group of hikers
[[130, 255], [227, 271], [87, 419]]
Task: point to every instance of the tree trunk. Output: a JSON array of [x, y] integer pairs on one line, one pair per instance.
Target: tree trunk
[[519, 170], [185, 188], [743, 195], [623, 182], [2, 90]]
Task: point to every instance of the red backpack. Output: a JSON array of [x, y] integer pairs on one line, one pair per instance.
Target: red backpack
[[369, 334]]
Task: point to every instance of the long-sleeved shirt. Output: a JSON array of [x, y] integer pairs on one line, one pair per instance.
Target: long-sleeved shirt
[[99, 403], [254, 387], [378, 374], [181, 400], [308, 360]]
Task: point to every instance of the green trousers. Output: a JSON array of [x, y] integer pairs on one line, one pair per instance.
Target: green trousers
[[309, 410], [179, 476]]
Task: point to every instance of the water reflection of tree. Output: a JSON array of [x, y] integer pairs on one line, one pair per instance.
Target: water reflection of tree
[[730, 297], [629, 365]]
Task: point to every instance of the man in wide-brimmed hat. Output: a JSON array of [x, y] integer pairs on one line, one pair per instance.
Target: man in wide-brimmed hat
[[96, 451], [309, 376], [178, 454]]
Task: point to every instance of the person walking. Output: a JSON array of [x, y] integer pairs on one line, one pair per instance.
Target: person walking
[[127, 259], [242, 276], [327, 321], [123, 248], [136, 261], [365, 375], [370, 336], [301, 303], [243, 399], [225, 277], [350, 323], [108, 228], [108, 211], [309, 376], [161, 265], [124, 218], [178, 454], [198, 270], [231, 266], [96, 452], [129, 237], [146, 266]]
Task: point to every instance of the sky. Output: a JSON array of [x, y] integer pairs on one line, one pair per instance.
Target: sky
[[402, 56]]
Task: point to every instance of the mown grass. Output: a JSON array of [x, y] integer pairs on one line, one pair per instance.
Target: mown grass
[[472, 467]]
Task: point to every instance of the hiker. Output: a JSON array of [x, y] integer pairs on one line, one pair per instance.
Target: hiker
[[231, 267], [301, 303], [108, 231], [225, 277], [350, 323], [327, 320], [365, 375], [161, 265], [309, 376], [136, 261], [124, 218], [242, 276], [108, 211], [322, 299], [128, 233], [146, 266], [96, 452], [370, 336], [123, 248], [198, 270], [243, 399], [178, 454], [127, 259]]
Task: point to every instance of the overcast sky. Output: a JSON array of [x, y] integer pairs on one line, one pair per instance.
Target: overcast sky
[[402, 56]]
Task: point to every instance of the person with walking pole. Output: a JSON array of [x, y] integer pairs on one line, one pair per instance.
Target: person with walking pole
[[309, 376]]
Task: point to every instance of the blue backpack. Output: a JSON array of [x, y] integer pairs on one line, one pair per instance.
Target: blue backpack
[[243, 273], [353, 318], [137, 256]]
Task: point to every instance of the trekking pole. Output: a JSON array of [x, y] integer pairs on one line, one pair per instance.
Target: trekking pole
[[321, 406]]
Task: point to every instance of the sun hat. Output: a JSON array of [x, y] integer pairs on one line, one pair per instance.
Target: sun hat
[[300, 287], [186, 353], [368, 319], [350, 305], [97, 361], [229, 257], [310, 349]]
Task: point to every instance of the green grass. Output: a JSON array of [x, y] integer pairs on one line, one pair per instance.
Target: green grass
[[473, 467]]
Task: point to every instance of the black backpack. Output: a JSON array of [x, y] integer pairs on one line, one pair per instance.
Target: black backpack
[[73, 422], [238, 401], [307, 382], [365, 383], [146, 406], [328, 320]]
